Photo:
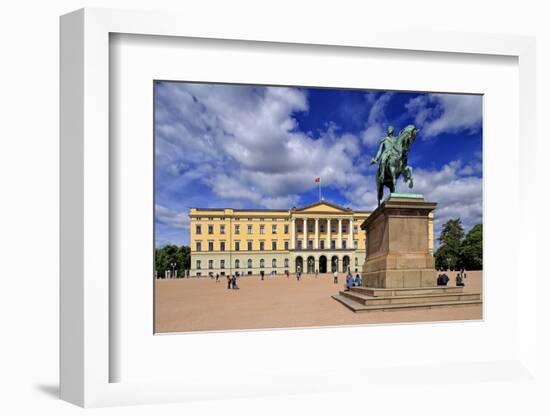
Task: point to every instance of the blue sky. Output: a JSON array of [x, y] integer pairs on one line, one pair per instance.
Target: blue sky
[[244, 146]]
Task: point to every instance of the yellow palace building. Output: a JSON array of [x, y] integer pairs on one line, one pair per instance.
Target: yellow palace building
[[321, 237]]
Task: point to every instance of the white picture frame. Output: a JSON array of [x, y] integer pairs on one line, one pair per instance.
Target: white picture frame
[[86, 356]]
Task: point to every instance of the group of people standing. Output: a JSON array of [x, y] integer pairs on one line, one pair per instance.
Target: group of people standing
[[232, 281], [443, 279]]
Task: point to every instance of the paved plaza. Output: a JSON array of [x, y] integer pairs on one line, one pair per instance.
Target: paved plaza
[[201, 304]]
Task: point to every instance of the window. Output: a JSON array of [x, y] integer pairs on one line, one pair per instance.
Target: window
[[198, 264], [356, 262], [322, 242], [210, 246], [343, 243], [262, 263], [274, 263], [210, 264], [198, 244], [344, 228], [332, 227], [249, 263], [237, 229], [211, 218], [310, 244], [322, 228], [286, 262], [249, 245], [237, 245], [222, 245], [262, 246], [355, 228], [354, 243], [237, 264], [210, 229], [198, 274], [286, 245], [286, 228], [274, 229], [299, 244], [222, 229], [310, 228], [299, 228], [274, 245], [249, 229], [262, 229], [332, 244], [198, 229], [222, 264]]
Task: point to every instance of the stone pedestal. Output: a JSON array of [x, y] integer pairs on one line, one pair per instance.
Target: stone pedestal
[[399, 271], [398, 251]]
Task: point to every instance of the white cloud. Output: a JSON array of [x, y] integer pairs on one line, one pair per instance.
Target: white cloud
[[250, 141], [457, 195], [446, 113], [374, 128], [170, 217]]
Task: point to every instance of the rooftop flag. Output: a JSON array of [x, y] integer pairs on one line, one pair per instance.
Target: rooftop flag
[[318, 180]]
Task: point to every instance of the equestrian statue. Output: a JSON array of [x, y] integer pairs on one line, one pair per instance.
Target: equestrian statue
[[392, 159]]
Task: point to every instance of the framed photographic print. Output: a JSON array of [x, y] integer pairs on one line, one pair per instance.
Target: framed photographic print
[[277, 192], [242, 213]]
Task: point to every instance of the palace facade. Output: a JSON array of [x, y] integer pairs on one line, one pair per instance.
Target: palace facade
[[321, 237]]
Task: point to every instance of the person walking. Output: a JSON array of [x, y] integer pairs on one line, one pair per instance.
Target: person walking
[[316, 273], [229, 279], [217, 277], [335, 277]]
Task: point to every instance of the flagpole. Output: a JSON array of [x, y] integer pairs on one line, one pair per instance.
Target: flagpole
[[319, 190]]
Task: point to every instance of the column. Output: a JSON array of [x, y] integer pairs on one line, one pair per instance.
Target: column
[[304, 242], [327, 244], [316, 243], [293, 233], [350, 235], [339, 233]]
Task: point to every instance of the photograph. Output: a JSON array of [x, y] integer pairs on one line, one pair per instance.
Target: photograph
[[283, 206]]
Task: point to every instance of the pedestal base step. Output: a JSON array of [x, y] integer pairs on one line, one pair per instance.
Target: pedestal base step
[[416, 298], [407, 291], [361, 307]]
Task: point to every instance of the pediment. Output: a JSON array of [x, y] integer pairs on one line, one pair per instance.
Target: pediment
[[322, 206]]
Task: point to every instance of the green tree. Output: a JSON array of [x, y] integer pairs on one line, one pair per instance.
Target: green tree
[[448, 254], [471, 250], [169, 254]]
